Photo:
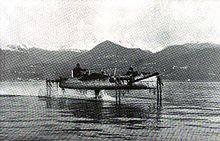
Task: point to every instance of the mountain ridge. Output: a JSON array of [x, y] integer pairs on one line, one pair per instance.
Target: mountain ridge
[[188, 59]]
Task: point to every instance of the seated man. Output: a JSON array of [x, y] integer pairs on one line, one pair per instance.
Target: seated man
[[131, 72], [77, 71]]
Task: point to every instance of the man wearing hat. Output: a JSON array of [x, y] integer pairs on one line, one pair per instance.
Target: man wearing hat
[[130, 71], [77, 71]]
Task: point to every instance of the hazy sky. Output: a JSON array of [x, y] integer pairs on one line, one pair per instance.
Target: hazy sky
[[82, 24]]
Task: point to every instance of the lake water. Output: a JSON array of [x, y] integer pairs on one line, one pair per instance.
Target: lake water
[[191, 111]]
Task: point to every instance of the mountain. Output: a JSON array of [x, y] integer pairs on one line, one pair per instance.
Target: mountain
[[189, 61], [49, 64], [197, 62], [107, 56], [110, 55], [18, 61]]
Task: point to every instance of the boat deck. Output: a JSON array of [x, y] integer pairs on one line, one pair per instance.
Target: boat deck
[[73, 83]]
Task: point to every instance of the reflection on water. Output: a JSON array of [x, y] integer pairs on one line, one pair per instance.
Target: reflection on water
[[102, 112]]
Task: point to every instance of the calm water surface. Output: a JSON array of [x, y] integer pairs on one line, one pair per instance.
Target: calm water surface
[[191, 111]]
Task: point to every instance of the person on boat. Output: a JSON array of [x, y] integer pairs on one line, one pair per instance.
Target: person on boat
[[77, 71], [131, 73], [159, 80]]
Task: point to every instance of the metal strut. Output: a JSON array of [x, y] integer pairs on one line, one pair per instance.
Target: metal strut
[[118, 97], [48, 88], [97, 91], [159, 92]]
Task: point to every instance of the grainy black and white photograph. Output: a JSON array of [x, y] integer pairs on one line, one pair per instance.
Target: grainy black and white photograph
[[114, 70]]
